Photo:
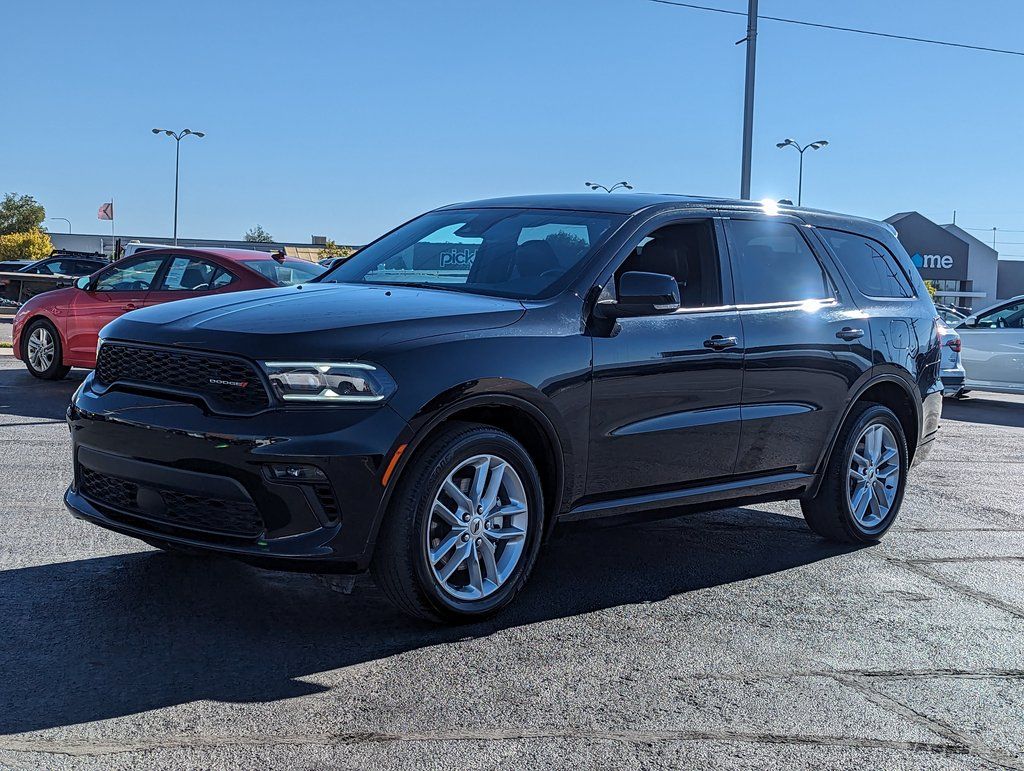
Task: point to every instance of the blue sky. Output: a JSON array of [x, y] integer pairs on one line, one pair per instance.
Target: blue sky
[[345, 118]]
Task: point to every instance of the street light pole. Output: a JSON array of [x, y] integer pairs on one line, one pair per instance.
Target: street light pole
[[748, 99], [177, 158], [812, 146], [616, 186], [65, 219]]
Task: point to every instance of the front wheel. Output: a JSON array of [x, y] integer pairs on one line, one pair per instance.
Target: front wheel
[[42, 351], [464, 526], [864, 482]]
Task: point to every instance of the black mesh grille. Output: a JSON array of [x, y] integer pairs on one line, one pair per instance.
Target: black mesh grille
[[226, 384], [195, 512]]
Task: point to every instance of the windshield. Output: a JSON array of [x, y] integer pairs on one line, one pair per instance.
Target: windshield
[[518, 253], [287, 272]]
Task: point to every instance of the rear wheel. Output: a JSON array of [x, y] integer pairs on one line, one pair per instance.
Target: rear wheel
[[864, 482], [42, 351], [464, 526]]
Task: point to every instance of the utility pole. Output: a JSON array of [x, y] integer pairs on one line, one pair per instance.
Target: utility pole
[[748, 98]]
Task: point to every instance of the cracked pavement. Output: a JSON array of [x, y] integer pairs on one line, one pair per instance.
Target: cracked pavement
[[731, 639]]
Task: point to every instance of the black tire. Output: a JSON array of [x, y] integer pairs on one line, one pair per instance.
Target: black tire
[[56, 369], [401, 567], [829, 513]]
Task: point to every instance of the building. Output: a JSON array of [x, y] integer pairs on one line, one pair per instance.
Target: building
[[964, 270], [80, 242], [1011, 279]]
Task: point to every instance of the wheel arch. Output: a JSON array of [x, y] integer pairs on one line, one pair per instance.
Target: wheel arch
[[521, 417], [40, 315], [892, 391]]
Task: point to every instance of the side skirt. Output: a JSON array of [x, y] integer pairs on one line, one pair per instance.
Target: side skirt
[[772, 487]]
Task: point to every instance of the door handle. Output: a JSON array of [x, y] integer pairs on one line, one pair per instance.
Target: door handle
[[720, 343], [849, 333], [129, 307]]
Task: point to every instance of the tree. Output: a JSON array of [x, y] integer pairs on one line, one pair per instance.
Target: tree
[[331, 249], [567, 245], [258, 235], [20, 214], [931, 289], [31, 244]]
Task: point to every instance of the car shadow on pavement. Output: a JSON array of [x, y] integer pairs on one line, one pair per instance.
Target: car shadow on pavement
[[27, 397], [100, 638], [991, 411]]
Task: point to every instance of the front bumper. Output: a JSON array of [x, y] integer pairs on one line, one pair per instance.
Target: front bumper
[[168, 471]]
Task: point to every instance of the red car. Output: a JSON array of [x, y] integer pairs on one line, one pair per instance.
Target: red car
[[57, 330]]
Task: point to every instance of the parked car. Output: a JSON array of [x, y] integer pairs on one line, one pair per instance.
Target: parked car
[[13, 266], [951, 316], [57, 330], [993, 348], [951, 370], [58, 270], [430, 408]]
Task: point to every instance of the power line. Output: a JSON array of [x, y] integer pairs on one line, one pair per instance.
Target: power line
[[875, 33]]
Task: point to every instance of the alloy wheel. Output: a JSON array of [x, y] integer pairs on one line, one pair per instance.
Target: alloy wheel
[[874, 476], [476, 532], [41, 349]]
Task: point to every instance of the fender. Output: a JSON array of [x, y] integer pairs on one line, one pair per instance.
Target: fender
[[18, 328], [868, 380], [476, 394]]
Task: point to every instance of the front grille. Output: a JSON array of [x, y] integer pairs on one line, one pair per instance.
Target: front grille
[[227, 384], [185, 510]]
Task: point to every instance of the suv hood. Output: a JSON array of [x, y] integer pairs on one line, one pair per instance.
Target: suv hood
[[312, 320]]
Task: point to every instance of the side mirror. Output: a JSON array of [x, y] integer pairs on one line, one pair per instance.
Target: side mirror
[[642, 294], [83, 282]]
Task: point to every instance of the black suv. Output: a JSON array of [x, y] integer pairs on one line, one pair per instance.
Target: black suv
[[430, 408]]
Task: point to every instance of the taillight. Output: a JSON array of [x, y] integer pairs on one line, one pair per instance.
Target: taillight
[[954, 344]]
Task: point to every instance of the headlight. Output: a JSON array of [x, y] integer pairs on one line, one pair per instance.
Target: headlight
[[329, 382]]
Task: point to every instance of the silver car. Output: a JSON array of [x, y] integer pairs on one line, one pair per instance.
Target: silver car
[[951, 368], [993, 348]]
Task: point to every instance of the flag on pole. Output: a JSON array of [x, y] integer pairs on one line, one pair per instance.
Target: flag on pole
[[106, 212]]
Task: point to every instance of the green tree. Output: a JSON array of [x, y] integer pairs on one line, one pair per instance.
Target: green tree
[[20, 214], [258, 235], [331, 249], [31, 244], [931, 289]]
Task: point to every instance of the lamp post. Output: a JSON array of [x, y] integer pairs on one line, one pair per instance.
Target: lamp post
[[812, 146], [177, 154], [616, 186], [65, 219]]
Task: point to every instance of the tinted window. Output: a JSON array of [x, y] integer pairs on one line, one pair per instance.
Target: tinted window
[[517, 253], [774, 263], [1006, 317], [131, 276], [869, 264], [685, 251], [190, 274]]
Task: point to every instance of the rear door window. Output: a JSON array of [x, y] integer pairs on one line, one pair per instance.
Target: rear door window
[[774, 263], [872, 268], [191, 274]]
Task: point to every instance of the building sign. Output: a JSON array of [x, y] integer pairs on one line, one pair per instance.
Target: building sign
[[933, 261], [937, 253]]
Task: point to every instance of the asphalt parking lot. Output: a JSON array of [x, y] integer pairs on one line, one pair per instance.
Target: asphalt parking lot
[[733, 639]]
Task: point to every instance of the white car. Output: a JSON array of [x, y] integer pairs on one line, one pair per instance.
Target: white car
[[951, 369], [993, 348]]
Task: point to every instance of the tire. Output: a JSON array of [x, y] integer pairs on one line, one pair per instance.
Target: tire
[[415, 526], [833, 512], [42, 352]]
